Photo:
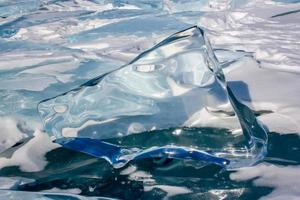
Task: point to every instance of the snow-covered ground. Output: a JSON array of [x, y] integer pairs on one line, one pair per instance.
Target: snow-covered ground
[[275, 43], [275, 86]]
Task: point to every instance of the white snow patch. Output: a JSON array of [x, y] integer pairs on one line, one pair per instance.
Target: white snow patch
[[284, 179], [31, 156], [9, 133], [64, 191], [171, 190]]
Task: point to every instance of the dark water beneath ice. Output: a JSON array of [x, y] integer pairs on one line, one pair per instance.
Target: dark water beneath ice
[[148, 179]]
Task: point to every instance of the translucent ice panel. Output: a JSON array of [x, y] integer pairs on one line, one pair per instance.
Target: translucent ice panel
[[176, 85]]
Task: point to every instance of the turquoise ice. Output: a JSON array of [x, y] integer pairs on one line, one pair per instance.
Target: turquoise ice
[[176, 84]]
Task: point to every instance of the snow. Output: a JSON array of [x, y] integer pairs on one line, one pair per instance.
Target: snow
[[275, 43], [9, 133], [31, 156], [284, 179]]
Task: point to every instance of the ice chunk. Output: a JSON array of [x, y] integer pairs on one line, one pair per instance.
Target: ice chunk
[[119, 156], [11, 27], [171, 6], [169, 86], [14, 7]]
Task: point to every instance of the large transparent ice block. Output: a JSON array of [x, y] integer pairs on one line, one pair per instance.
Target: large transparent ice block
[[170, 101]]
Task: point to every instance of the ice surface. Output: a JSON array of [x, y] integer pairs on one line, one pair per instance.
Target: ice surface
[[50, 47], [168, 86], [19, 195], [15, 7]]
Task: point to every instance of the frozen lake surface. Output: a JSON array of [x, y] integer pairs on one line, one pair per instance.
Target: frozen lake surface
[[51, 47]]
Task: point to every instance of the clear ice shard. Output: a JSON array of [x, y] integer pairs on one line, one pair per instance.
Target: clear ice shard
[[170, 101]]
